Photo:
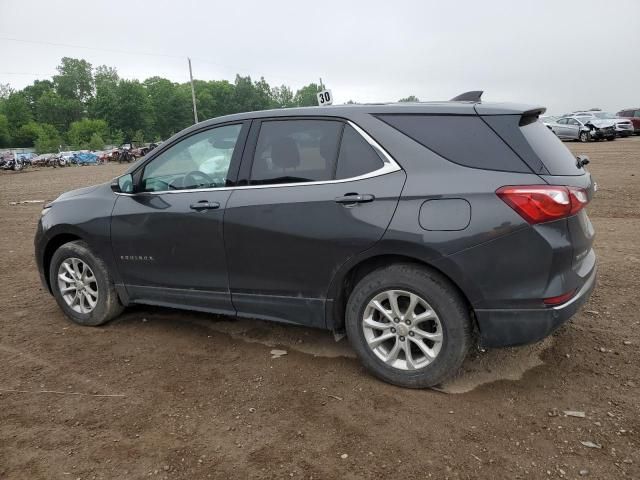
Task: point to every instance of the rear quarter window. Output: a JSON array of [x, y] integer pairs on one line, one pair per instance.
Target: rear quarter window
[[462, 139], [553, 153]]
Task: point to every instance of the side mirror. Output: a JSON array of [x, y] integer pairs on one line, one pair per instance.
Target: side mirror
[[123, 184]]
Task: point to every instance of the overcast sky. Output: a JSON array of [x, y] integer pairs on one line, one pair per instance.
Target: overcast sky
[[565, 54]]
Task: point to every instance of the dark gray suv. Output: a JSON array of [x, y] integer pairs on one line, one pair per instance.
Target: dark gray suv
[[419, 229]]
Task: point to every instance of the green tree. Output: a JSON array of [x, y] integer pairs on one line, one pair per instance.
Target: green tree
[[138, 138], [49, 140], [306, 96], [5, 136], [5, 90], [105, 74], [17, 110], [133, 109], [74, 80], [33, 93], [81, 132], [171, 106], [53, 109], [282, 97], [96, 142], [410, 98], [116, 138], [27, 134]]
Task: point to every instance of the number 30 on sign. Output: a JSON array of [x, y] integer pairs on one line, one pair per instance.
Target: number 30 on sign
[[325, 98]]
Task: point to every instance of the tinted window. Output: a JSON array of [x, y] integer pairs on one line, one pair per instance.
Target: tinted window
[[290, 151], [637, 113], [356, 156], [556, 157], [199, 161], [462, 139], [562, 121]]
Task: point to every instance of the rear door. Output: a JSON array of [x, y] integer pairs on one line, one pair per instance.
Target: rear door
[[319, 191]]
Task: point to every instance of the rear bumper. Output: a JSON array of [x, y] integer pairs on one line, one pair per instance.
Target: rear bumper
[[510, 327]]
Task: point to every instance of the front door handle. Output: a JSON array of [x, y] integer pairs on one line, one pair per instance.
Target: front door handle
[[204, 205], [353, 198]]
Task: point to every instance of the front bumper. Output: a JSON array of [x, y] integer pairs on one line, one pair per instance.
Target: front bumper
[[601, 133], [509, 327]]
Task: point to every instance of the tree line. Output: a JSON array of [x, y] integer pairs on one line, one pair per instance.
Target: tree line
[[86, 107]]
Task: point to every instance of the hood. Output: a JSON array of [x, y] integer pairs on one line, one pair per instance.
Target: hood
[[77, 192], [626, 121], [600, 122]]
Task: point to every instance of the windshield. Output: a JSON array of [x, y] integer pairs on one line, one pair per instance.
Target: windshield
[[604, 115]]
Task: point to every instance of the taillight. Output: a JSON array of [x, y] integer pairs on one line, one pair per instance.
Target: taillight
[[543, 203], [559, 299]]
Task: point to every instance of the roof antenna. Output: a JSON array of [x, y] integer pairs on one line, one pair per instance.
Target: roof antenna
[[472, 96]]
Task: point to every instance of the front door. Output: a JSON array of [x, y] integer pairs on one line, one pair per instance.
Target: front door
[[573, 129], [167, 238], [318, 194]]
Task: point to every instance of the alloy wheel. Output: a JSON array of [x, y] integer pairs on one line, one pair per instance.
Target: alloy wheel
[[402, 329], [78, 285]]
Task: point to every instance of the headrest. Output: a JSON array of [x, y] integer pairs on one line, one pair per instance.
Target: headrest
[[284, 153]]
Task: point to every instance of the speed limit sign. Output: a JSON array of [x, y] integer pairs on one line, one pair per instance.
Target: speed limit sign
[[325, 98]]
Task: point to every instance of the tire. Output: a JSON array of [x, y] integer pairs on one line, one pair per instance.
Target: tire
[[584, 137], [107, 306], [438, 294], [609, 139]]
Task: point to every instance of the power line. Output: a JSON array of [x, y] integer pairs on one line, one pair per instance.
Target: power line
[[28, 74], [68, 45]]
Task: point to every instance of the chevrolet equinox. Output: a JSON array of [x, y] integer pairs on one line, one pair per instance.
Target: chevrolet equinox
[[417, 229]]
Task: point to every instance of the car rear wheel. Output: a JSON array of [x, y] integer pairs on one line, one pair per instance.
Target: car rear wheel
[[408, 325], [82, 286], [585, 137]]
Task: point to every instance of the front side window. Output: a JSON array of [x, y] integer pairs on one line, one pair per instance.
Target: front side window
[[571, 121], [292, 151], [199, 161], [637, 113], [562, 121]]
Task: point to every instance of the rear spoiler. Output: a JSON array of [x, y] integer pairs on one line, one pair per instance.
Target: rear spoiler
[[472, 96]]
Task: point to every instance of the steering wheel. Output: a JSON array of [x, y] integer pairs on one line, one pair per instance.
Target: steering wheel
[[197, 179]]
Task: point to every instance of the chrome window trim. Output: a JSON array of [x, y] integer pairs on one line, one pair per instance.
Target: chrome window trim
[[389, 166]]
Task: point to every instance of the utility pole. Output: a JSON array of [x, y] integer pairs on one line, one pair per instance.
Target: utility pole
[[193, 93], [321, 86]]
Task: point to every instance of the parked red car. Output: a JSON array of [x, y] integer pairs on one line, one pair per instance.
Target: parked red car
[[632, 114]]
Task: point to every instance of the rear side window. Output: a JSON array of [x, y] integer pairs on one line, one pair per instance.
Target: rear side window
[[291, 151], [356, 156], [462, 139], [555, 156]]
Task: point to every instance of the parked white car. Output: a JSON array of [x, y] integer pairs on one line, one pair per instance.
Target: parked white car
[[583, 128], [624, 126]]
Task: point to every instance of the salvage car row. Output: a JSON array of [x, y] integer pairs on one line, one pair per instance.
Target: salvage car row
[[125, 153], [594, 125]]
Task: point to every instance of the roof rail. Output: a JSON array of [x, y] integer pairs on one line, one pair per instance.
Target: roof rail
[[472, 96]]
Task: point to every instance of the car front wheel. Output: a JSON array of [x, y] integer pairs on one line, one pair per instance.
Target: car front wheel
[[408, 325], [82, 286], [585, 136]]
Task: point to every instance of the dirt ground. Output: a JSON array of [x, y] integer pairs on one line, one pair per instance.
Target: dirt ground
[[176, 395]]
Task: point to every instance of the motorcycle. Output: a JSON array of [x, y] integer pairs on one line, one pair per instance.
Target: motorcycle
[[15, 164], [125, 155]]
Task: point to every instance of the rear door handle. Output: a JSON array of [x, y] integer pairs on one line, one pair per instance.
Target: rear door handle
[[354, 198], [204, 205]]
